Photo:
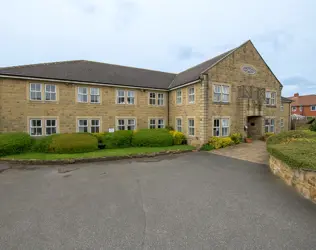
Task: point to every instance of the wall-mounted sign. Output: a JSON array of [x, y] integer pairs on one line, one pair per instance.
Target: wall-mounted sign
[[248, 69], [111, 130]]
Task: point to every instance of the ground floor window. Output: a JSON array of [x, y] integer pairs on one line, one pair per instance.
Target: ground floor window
[[191, 127], [269, 125], [126, 124], [179, 124], [42, 126], [282, 123], [95, 126], [89, 125], [221, 127], [156, 123]]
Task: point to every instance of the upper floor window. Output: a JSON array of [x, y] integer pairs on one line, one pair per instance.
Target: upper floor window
[[269, 125], [313, 108], [125, 96], [156, 98], [94, 95], [82, 94], [221, 127], [50, 92], [221, 93], [36, 91], [270, 98], [126, 124], [191, 95], [294, 108], [179, 96]]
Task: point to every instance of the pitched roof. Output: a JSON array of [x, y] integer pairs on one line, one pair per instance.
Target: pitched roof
[[304, 100], [283, 99], [94, 72]]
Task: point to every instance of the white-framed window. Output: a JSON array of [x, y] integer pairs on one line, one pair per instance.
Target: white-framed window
[[191, 95], [269, 125], [36, 91], [161, 98], [152, 123], [313, 108], [50, 92], [179, 124], [221, 93], [130, 97], [83, 125], [126, 124], [161, 123], [221, 127], [282, 123], [36, 127], [120, 96], [95, 126], [294, 108], [191, 127], [179, 96], [282, 108], [94, 95], [270, 98], [152, 98], [82, 94], [50, 126]]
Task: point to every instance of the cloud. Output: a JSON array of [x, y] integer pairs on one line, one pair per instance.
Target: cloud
[[299, 84], [275, 39]]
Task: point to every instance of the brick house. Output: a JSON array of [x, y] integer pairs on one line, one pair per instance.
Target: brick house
[[217, 97], [303, 105]]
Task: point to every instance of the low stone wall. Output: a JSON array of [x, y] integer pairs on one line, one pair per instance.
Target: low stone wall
[[304, 181]]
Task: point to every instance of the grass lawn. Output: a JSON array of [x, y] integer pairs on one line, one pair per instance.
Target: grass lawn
[[95, 154]]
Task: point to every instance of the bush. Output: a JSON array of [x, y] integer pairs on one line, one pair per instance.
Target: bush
[[236, 138], [207, 147], [118, 139], [287, 136], [312, 127], [152, 138], [14, 143], [220, 142], [178, 137], [99, 136], [41, 144], [170, 128]]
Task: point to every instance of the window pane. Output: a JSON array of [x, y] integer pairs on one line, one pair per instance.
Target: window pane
[[224, 131], [217, 89], [131, 122], [83, 122], [225, 98], [217, 97], [161, 123], [225, 122], [94, 129], [130, 93], [225, 89]]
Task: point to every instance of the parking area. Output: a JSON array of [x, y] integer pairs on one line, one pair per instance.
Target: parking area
[[189, 201]]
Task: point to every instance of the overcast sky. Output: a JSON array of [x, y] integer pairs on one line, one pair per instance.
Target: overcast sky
[[166, 35]]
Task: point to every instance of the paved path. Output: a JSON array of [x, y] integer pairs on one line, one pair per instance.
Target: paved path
[[253, 152], [192, 201]]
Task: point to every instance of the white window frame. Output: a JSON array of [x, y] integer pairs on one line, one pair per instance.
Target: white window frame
[[36, 127], [178, 96], [179, 126], [160, 123], [97, 127], [294, 109], [50, 92], [96, 94], [313, 107], [160, 99], [130, 97], [36, 91], [152, 98], [191, 95], [152, 123], [282, 108], [83, 126], [155, 123], [271, 98], [120, 96], [156, 99], [190, 127], [220, 126], [219, 90], [269, 126], [50, 126], [281, 122], [82, 94], [126, 124]]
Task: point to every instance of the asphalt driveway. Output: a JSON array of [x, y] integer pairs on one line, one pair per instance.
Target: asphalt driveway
[[193, 201]]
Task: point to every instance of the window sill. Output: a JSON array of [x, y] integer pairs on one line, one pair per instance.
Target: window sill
[[270, 106], [42, 101], [221, 103]]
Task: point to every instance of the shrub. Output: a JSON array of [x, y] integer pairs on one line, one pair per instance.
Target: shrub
[[286, 136], [118, 139], [99, 136], [220, 142], [227, 141], [178, 137], [236, 138], [152, 138], [42, 144], [312, 127], [14, 143], [170, 128], [207, 147]]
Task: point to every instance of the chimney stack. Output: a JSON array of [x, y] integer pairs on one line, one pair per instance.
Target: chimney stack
[[296, 95]]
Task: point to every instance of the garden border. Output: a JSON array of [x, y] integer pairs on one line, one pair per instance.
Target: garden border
[[96, 159]]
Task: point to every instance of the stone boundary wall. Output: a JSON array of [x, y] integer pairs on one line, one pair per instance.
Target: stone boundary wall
[[304, 181]]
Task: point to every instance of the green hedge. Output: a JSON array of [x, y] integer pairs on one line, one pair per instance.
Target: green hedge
[[14, 143], [66, 143], [152, 138], [118, 139], [296, 148]]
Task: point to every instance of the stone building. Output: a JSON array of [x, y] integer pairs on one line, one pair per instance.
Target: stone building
[[215, 98]]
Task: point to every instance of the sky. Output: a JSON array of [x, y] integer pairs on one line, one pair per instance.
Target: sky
[[164, 35]]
